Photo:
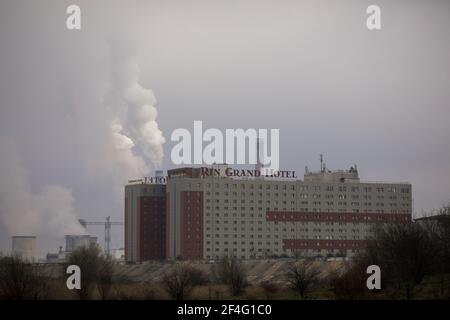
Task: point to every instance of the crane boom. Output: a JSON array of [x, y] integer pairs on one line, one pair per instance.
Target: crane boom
[[107, 225]]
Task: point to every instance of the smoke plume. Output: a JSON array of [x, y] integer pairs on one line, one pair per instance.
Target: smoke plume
[[110, 135], [139, 101], [27, 212]]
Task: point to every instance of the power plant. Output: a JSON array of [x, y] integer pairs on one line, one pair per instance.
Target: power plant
[[74, 242], [24, 247]]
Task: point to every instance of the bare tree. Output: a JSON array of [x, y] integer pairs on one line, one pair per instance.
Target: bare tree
[[349, 281], [90, 260], [21, 280], [406, 253], [439, 224], [232, 273], [105, 275], [302, 275], [443, 226], [181, 280]]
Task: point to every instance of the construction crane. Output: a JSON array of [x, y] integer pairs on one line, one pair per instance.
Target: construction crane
[[107, 225]]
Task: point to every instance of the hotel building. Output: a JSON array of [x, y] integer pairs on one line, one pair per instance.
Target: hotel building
[[208, 214]]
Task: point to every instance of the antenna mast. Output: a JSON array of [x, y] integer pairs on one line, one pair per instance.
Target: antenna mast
[[321, 162]]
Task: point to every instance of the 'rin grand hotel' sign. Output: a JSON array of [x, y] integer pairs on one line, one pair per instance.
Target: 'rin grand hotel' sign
[[223, 171], [244, 173]]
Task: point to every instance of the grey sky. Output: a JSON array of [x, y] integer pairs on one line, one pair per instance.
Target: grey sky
[[379, 99]]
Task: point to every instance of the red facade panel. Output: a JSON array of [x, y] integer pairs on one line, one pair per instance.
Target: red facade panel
[[152, 228], [167, 224], [138, 232], [191, 225]]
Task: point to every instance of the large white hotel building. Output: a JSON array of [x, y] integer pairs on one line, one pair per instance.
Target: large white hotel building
[[204, 213]]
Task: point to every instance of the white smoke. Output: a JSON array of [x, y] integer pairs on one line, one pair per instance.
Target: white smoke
[[135, 140], [115, 121], [125, 163], [141, 122], [23, 211]]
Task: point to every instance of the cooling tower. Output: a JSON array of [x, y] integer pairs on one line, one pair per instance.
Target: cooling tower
[[24, 247], [73, 242]]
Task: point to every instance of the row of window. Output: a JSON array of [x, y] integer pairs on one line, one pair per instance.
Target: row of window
[[276, 236], [304, 196], [285, 230], [266, 253], [208, 214], [306, 209], [268, 243], [301, 195], [306, 188]]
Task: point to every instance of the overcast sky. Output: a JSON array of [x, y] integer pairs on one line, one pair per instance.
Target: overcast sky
[[379, 99]]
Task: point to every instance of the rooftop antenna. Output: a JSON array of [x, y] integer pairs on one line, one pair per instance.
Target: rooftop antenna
[[260, 150], [321, 162]]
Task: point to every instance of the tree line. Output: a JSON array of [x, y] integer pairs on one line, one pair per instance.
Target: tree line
[[407, 255]]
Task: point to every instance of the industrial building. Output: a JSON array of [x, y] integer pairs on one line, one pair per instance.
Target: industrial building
[[73, 242], [58, 257], [24, 247], [118, 254], [208, 213]]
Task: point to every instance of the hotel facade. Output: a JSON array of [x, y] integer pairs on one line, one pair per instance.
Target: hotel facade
[[204, 213]]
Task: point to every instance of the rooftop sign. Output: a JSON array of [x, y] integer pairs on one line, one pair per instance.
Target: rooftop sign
[[149, 180], [230, 172]]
